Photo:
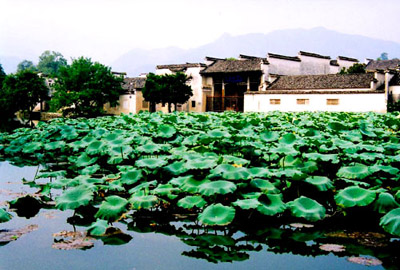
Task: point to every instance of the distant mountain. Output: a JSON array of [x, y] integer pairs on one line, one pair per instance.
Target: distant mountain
[[288, 42]]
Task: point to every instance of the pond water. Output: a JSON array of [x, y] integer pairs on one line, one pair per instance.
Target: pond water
[[173, 245]]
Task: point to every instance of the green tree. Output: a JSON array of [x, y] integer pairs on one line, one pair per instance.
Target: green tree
[[50, 62], [82, 88], [2, 76], [168, 88], [384, 56], [26, 65], [22, 92], [356, 68]]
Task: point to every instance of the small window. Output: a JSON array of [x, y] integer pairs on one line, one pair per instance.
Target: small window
[[332, 101], [303, 101], [145, 104], [193, 103], [274, 101]]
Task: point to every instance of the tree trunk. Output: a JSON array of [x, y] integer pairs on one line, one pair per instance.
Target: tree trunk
[[169, 107], [152, 107]]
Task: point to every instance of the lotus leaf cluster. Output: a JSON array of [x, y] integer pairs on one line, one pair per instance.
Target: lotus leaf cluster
[[217, 167]]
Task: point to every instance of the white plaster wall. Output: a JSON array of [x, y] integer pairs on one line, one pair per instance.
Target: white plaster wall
[[283, 67], [197, 87], [344, 63], [313, 65], [163, 71], [334, 69], [317, 102], [127, 104], [395, 90]]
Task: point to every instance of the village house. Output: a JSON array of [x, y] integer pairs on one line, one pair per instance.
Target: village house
[[308, 81]]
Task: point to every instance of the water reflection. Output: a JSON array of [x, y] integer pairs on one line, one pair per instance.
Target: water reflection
[[235, 243]]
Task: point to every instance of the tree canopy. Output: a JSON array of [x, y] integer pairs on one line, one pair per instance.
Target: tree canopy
[[83, 87], [26, 65], [50, 62], [168, 88], [22, 91], [354, 69]]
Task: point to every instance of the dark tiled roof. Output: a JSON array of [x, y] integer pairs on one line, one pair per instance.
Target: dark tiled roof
[[209, 58], [329, 81], [314, 55], [284, 57], [249, 57], [226, 66], [383, 64], [131, 84], [344, 58], [180, 67], [334, 63], [395, 80]]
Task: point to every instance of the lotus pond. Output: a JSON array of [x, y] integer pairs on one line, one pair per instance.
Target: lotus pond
[[227, 190]]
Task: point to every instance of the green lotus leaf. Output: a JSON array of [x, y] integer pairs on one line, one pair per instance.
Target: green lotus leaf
[[264, 185], [98, 227], [211, 240], [259, 172], [337, 126], [176, 168], [322, 183], [53, 174], [32, 147], [387, 169], [191, 140], [271, 204], [391, 222], [120, 150], [201, 164], [289, 161], [4, 215], [365, 130], [189, 202], [166, 131], [269, 136], [293, 174], [112, 137], [54, 145], [96, 147], [217, 187], [114, 186], [151, 163], [354, 196], [130, 177], [192, 185], [231, 172], [247, 204], [284, 150], [113, 160], [164, 189], [141, 201], [112, 208], [84, 160], [308, 167], [124, 168], [217, 214], [323, 157], [385, 203], [142, 186], [307, 208], [288, 139], [218, 134], [178, 181], [89, 170], [77, 145], [74, 197], [235, 160], [99, 132], [150, 148], [358, 171]]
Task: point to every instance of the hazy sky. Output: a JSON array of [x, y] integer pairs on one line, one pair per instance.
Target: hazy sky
[[106, 29]]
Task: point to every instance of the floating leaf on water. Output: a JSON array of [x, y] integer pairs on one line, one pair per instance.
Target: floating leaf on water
[[96, 147], [112, 208], [72, 240], [165, 131], [192, 185], [141, 201], [391, 222], [165, 189], [264, 185], [332, 248], [32, 147], [176, 168], [142, 186], [89, 170], [269, 136], [307, 208], [4, 215], [130, 177], [354, 196], [217, 214], [12, 235], [200, 164], [368, 261], [74, 197], [288, 139], [98, 227], [189, 202]]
